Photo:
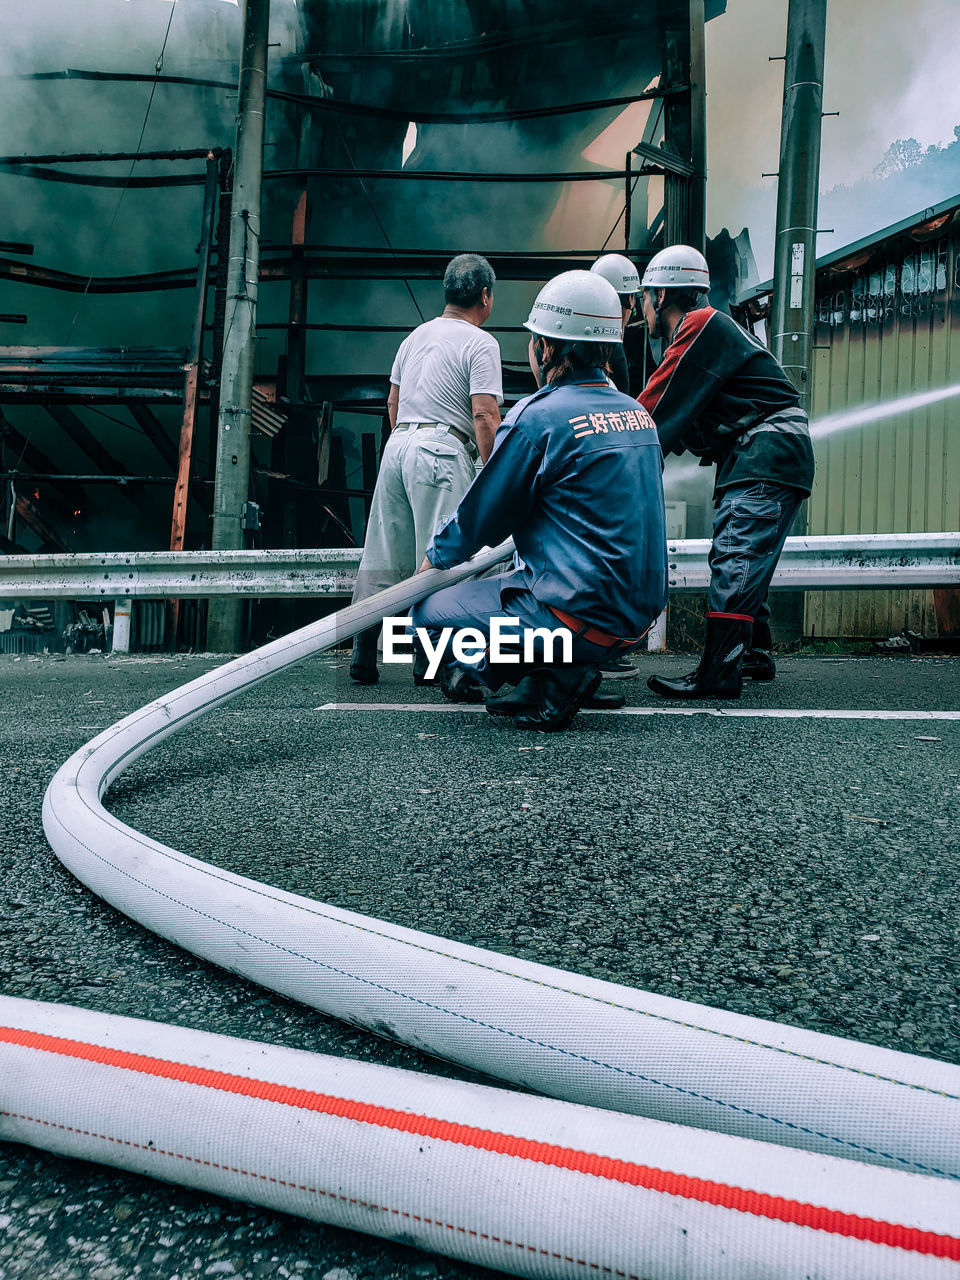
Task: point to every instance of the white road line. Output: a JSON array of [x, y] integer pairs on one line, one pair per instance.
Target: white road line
[[737, 713]]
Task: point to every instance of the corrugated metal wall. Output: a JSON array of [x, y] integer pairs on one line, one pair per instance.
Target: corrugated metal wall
[[886, 331]]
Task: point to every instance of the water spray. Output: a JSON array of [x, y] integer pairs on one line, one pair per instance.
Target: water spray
[[843, 420]]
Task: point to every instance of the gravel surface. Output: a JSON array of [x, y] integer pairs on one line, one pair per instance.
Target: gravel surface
[[802, 870]]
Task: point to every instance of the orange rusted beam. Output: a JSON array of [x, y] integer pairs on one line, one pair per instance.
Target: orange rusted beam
[[191, 380]]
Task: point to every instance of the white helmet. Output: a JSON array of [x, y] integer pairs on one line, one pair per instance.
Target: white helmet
[[680, 266], [577, 306], [620, 271]]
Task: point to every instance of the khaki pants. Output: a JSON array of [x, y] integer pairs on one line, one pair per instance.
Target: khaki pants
[[423, 476]]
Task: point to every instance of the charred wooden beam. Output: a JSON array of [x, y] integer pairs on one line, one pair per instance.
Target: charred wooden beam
[[152, 428], [39, 464], [105, 362], [123, 478], [154, 180], [45, 531], [84, 157], [90, 374], [84, 439], [351, 263], [25, 273], [125, 181], [405, 114], [358, 265], [448, 175], [82, 393]]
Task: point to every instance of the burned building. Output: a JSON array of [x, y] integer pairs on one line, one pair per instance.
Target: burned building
[[397, 133]]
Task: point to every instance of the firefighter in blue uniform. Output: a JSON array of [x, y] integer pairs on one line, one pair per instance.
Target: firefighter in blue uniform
[[575, 477]]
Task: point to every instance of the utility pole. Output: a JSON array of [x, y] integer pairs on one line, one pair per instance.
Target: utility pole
[[795, 259], [232, 477], [697, 212]]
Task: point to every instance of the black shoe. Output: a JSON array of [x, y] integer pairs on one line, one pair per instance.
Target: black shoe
[[602, 701], [363, 668], [758, 664], [526, 697], [719, 672], [515, 702], [617, 669], [458, 685], [563, 691]]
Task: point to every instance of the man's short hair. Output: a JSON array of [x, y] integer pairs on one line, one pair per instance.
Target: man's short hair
[[569, 356], [687, 299], [466, 277]]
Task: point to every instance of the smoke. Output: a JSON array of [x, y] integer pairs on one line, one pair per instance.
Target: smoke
[[886, 72], [109, 231], [104, 231]]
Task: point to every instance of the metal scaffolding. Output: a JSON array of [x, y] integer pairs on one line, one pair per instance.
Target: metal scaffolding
[[294, 403]]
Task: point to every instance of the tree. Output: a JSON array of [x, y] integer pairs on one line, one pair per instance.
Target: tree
[[902, 154]]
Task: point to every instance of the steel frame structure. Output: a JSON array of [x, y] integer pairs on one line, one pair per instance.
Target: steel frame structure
[[66, 377]]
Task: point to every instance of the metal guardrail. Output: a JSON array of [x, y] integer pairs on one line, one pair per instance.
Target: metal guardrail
[[155, 575], [851, 561], [809, 563]]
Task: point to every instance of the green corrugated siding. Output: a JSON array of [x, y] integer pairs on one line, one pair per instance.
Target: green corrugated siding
[[884, 332]]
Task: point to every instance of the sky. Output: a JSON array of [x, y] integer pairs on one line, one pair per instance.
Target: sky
[[890, 70]]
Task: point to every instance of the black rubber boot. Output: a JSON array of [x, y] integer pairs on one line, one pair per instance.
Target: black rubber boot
[[563, 691], [758, 663], [363, 666], [526, 698], [718, 674], [458, 685]]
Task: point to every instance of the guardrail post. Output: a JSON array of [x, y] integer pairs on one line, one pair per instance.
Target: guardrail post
[[122, 610], [657, 635]]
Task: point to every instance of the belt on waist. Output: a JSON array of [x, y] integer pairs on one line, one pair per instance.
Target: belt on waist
[[593, 635], [454, 431]]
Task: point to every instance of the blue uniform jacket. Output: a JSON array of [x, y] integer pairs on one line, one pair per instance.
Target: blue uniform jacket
[[576, 477]]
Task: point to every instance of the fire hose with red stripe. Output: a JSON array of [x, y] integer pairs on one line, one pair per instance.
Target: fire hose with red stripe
[[677, 1141]]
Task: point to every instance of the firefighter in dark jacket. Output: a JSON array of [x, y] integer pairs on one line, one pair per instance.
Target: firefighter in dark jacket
[[625, 278], [720, 394]]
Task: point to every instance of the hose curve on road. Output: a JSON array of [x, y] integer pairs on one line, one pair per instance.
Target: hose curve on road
[[675, 1142]]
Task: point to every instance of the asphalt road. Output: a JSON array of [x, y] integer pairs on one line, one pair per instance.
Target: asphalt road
[[800, 869]]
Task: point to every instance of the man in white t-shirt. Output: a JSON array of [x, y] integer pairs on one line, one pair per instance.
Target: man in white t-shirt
[[446, 388]]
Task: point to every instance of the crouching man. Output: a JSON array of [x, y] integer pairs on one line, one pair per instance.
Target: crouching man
[[575, 477]]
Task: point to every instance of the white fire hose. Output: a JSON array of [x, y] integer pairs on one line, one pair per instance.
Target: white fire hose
[[750, 1149]]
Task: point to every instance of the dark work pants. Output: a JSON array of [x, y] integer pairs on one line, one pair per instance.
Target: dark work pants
[[749, 529], [478, 600]]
